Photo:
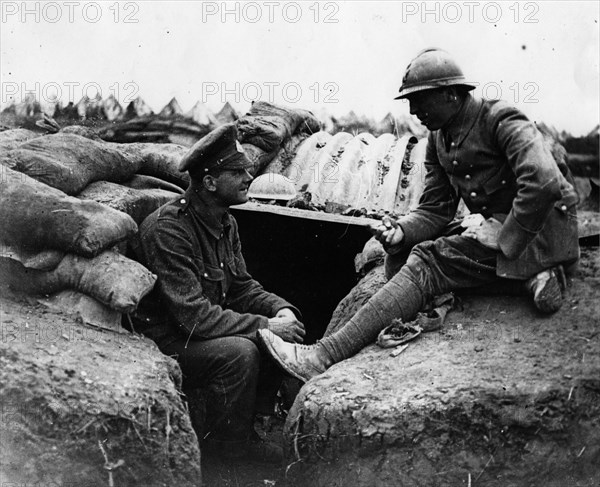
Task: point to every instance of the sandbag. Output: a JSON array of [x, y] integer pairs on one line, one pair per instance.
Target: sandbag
[[159, 160], [10, 139], [34, 216], [44, 260], [258, 157], [70, 162], [81, 130], [282, 163], [110, 277], [268, 126], [141, 181], [137, 203], [85, 308]]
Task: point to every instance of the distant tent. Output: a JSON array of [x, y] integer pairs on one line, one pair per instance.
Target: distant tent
[[112, 108], [29, 107], [595, 131], [202, 115], [387, 124], [90, 108], [171, 109], [67, 113], [137, 108], [11, 108], [326, 120], [51, 107], [227, 114]]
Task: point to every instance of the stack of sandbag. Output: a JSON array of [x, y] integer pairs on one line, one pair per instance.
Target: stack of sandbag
[[56, 243], [266, 128], [160, 161], [53, 242], [70, 162]]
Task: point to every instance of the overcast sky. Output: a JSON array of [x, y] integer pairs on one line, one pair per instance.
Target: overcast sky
[[541, 56]]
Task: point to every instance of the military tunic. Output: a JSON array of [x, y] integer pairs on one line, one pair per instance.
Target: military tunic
[[203, 290], [497, 161]]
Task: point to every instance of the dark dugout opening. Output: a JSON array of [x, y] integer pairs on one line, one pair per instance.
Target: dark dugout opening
[[305, 257]]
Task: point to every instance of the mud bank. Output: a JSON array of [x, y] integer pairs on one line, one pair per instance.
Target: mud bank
[[501, 396], [83, 406]]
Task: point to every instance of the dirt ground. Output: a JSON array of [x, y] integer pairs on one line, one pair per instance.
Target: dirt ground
[[39, 381], [581, 311], [85, 406], [500, 396]]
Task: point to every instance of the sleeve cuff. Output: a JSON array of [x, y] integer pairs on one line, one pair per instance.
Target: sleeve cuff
[[295, 310], [263, 323], [514, 238]]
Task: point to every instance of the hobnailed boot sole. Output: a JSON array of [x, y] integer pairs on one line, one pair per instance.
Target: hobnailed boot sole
[[549, 298]]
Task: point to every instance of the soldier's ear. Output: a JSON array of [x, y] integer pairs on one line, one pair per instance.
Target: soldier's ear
[[209, 182]]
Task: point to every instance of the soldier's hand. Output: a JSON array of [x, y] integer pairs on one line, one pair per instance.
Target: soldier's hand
[[486, 233], [286, 313], [388, 232], [288, 329]]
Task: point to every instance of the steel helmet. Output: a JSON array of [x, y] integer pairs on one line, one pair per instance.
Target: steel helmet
[[431, 68], [272, 186]]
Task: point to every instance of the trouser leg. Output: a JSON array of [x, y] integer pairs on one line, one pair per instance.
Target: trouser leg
[[228, 369], [432, 268], [269, 382], [401, 297]]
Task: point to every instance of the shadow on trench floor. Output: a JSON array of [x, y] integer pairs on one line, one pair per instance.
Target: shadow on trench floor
[[216, 473]]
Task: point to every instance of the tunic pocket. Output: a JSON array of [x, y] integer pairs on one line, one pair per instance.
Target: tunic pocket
[[212, 283]]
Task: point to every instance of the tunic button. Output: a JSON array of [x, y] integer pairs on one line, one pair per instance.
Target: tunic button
[[455, 163], [484, 208], [205, 274], [563, 207], [473, 194], [468, 177], [452, 144], [504, 181], [182, 201], [221, 264]]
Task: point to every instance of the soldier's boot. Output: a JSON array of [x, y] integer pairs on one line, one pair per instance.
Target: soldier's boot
[[401, 297], [547, 288]]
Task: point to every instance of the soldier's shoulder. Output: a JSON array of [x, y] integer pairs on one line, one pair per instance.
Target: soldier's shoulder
[[170, 211], [501, 109]]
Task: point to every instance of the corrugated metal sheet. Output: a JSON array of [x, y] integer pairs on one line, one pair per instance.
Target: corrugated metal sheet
[[346, 171]]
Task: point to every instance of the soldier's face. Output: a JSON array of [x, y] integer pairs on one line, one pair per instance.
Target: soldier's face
[[231, 187], [432, 107]]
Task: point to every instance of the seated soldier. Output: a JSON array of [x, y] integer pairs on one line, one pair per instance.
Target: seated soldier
[[205, 309], [490, 155]]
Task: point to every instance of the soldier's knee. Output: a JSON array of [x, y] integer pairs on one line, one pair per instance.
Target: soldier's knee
[[393, 264]]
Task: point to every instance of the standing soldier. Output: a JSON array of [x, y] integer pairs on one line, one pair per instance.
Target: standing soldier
[[489, 154]]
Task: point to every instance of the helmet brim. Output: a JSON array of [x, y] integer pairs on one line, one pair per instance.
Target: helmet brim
[[408, 90]]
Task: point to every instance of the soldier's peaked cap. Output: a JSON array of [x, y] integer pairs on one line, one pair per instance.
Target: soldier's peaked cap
[[219, 149]]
